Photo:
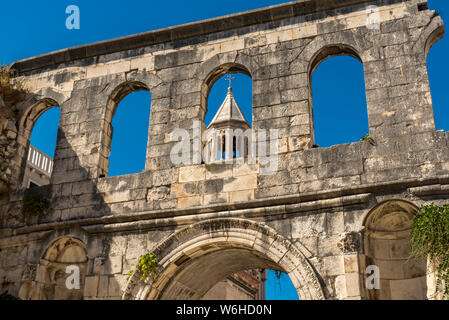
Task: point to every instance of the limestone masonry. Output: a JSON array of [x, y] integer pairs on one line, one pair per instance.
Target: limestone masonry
[[322, 217]]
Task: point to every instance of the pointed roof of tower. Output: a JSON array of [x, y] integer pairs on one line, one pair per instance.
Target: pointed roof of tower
[[229, 114]]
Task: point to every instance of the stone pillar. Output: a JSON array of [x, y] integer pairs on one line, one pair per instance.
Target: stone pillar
[[350, 246], [228, 145], [431, 281]]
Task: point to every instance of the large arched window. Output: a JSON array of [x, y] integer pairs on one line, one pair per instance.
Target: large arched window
[[41, 151], [128, 134], [229, 111], [339, 100], [215, 86]]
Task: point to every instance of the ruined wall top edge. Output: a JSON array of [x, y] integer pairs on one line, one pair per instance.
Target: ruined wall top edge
[[193, 32]]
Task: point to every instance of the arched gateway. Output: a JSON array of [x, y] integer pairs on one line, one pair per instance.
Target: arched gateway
[[193, 259]]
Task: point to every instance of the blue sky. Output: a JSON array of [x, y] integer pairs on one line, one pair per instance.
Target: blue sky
[[30, 28]]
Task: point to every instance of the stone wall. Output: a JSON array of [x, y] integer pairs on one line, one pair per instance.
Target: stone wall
[[8, 136], [295, 220]]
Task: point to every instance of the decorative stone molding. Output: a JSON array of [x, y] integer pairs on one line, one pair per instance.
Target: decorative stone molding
[[350, 242], [29, 272]]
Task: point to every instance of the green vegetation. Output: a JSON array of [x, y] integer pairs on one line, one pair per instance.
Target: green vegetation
[[366, 138], [430, 239], [36, 204], [147, 266]]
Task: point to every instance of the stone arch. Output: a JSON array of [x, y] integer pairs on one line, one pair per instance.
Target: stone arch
[[387, 245], [117, 91], [329, 51], [433, 32], [217, 66], [76, 233], [345, 42], [429, 36], [243, 61], [222, 247], [29, 113], [406, 208], [422, 49], [48, 280]]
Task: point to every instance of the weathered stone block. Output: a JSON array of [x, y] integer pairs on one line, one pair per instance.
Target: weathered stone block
[[91, 286], [240, 183], [241, 196], [193, 173], [215, 198], [187, 202]]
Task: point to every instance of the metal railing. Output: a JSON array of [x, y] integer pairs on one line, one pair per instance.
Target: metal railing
[[40, 161]]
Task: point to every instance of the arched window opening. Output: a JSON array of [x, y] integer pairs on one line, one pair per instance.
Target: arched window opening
[[41, 151], [129, 134], [340, 112], [438, 72], [229, 115]]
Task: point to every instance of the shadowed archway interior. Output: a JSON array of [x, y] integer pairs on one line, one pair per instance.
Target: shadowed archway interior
[[198, 275], [387, 246]]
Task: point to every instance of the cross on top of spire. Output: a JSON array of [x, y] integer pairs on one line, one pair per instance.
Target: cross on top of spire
[[230, 79]]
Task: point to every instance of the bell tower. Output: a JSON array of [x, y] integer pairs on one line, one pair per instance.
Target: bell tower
[[225, 144]]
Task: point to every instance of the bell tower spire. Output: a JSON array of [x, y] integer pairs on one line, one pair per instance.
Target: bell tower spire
[[229, 115]]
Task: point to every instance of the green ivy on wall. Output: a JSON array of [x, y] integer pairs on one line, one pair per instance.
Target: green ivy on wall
[[36, 204], [147, 266], [430, 239]]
